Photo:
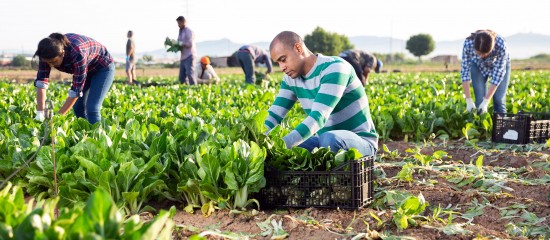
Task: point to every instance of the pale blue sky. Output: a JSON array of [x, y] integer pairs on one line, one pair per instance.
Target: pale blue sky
[[25, 22]]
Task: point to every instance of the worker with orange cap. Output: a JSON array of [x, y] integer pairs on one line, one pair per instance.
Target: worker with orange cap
[[205, 72]]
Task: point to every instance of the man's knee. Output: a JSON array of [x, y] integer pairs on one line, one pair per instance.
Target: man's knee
[[331, 140]]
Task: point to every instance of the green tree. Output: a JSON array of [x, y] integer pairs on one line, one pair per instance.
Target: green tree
[[420, 45], [542, 56], [327, 43], [20, 61], [390, 57]]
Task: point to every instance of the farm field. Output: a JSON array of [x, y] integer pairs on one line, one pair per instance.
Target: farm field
[[26, 75], [201, 150]]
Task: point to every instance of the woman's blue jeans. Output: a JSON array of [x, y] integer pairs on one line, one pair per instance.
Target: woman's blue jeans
[[479, 83], [95, 89], [339, 139]]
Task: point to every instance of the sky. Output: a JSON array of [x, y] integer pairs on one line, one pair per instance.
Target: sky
[[23, 23]]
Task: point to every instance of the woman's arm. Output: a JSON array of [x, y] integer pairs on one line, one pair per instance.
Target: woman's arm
[[69, 102], [40, 99]]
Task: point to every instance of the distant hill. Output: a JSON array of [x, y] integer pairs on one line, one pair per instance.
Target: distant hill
[[223, 47], [215, 48], [521, 46]]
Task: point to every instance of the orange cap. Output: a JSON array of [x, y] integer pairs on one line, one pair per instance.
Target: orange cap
[[205, 60]]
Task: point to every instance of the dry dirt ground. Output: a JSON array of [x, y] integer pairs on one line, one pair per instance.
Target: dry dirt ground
[[27, 76], [313, 223]]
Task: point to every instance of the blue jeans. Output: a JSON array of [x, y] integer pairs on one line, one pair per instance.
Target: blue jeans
[[247, 64], [339, 139], [479, 83], [187, 71], [95, 89]]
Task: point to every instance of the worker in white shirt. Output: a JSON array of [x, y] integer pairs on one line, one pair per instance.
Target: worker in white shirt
[[205, 72]]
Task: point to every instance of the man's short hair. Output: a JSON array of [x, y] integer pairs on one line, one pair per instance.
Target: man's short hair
[[180, 19], [287, 38]]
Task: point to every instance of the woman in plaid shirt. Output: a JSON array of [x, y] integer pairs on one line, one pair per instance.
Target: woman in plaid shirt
[[485, 55], [92, 68]]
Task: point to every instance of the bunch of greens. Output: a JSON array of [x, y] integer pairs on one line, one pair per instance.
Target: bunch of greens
[[300, 159], [172, 45]]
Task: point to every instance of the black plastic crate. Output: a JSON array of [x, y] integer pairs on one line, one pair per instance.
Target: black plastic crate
[[348, 186], [521, 128]]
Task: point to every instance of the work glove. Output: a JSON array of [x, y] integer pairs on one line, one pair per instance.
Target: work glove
[[483, 106], [470, 105], [39, 116]]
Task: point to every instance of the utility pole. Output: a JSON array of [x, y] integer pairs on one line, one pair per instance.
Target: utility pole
[[390, 59]]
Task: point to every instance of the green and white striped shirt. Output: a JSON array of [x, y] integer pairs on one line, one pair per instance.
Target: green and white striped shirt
[[332, 97]]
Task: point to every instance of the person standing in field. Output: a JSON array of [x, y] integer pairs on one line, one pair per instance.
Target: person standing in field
[[92, 68], [188, 52], [331, 95], [205, 72], [248, 56], [485, 55], [130, 58], [363, 63]]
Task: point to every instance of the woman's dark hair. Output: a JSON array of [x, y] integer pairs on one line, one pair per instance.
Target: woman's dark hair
[[51, 46], [484, 40]]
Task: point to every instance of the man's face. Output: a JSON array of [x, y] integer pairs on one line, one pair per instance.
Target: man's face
[[181, 24], [289, 58]]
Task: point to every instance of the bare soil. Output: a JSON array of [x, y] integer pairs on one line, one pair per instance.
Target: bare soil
[[28, 76], [311, 223]]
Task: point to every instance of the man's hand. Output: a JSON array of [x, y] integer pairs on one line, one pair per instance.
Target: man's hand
[[39, 116], [483, 106], [470, 105]]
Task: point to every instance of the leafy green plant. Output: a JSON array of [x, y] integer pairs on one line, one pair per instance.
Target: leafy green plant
[[425, 160], [244, 172], [408, 210], [387, 154], [406, 173], [99, 219]]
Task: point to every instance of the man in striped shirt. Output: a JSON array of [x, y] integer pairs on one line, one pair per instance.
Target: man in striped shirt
[[331, 95]]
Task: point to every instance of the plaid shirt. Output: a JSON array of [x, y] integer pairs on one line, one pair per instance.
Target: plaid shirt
[[83, 56], [494, 65]]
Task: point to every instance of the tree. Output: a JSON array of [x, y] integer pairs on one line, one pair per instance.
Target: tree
[[420, 45], [390, 57], [20, 61], [327, 43]]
